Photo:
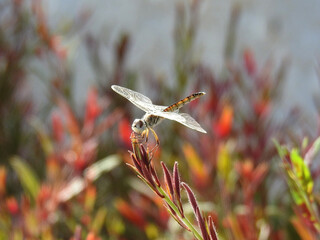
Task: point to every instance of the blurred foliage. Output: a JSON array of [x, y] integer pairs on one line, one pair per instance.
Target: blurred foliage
[[62, 173]]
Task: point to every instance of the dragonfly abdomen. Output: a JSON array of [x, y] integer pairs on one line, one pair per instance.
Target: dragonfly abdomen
[[183, 102]]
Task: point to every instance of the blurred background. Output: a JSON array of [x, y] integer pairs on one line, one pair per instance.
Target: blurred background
[[65, 135]]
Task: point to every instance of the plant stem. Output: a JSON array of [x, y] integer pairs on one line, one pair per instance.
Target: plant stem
[[183, 218]]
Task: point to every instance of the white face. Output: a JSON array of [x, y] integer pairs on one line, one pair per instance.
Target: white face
[[138, 126]]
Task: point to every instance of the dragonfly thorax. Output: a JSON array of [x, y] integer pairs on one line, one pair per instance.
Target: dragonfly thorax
[[151, 120]]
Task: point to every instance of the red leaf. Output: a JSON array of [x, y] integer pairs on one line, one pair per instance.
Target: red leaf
[[262, 107], [71, 121], [125, 131], [12, 205], [57, 126], [191, 197], [92, 108], [56, 46], [168, 179], [249, 61], [80, 163]]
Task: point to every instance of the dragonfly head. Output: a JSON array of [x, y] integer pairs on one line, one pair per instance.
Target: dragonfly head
[[138, 126]]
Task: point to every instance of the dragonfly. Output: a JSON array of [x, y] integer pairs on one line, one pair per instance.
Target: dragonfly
[[154, 114]]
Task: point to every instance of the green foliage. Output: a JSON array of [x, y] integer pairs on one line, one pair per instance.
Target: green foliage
[[300, 182], [27, 176], [102, 166], [300, 174]]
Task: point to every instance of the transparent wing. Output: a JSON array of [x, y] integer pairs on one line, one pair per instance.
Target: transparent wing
[[182, 118], [191, 122], [141, 101]]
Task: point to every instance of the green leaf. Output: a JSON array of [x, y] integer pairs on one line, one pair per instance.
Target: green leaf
[[298, 163], [152, 231], [300, 181], [302, 171], [104, 165], [304, 144], [99, 219], [280, 149], [28, 178], [316, 145], [44, 139]]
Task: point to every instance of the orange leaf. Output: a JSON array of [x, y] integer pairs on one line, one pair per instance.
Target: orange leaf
[[223, 126], [197, 167], [92, 236], [302, 229], [90, 199], [130, 213], [3, 177]]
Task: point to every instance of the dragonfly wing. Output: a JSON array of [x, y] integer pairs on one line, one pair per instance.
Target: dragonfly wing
[[191, 122], [159, 108], [141, 101], [182, 118]]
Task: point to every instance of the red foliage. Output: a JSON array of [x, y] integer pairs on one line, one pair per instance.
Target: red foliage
[[249, 62], [124, 129], [93, 108], [131, 214], [262, 107], [56, 46], [57, 126], [12, 205]]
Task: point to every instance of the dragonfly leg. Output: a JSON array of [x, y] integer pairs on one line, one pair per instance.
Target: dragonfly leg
[[156, 138], [146, 134]]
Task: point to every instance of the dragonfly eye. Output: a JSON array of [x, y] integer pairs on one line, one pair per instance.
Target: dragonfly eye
[[138, 126]]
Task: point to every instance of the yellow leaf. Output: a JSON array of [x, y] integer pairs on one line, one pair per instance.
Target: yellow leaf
[[223, 161], [196, 165]]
